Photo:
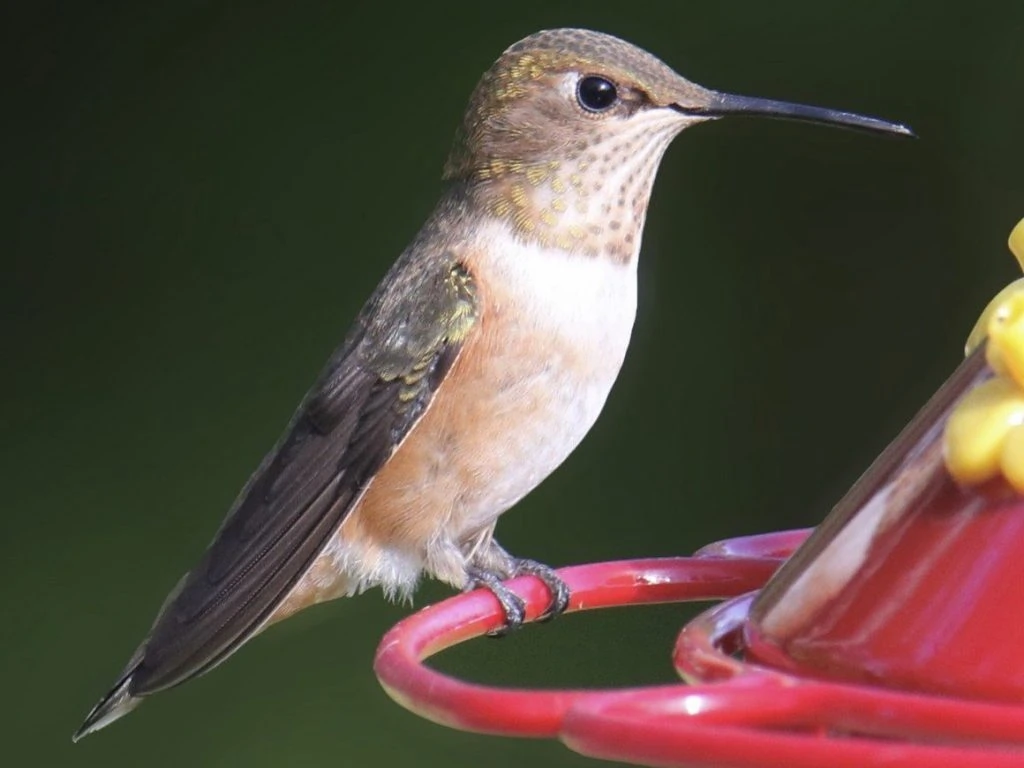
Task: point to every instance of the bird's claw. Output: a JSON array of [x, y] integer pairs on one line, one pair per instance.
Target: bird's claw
[[512, 604], [559, 590]]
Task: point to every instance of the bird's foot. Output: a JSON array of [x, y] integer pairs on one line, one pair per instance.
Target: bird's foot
[[556, 586], [511, 603]]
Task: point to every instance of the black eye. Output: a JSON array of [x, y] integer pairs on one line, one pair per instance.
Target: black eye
[[596, 94]]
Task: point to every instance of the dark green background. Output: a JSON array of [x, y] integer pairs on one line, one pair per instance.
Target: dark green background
[[198, 197]]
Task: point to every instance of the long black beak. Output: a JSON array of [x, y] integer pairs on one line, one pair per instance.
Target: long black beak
[[722, 104]]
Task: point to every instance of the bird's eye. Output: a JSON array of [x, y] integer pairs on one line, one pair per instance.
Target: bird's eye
[[596, 94]]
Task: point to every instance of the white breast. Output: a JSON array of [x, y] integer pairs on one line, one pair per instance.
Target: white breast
[[561, 325]]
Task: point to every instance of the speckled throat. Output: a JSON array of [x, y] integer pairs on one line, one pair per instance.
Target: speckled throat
[[593, 200]]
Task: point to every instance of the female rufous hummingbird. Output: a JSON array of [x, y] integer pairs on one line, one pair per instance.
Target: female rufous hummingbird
[[476, 367]]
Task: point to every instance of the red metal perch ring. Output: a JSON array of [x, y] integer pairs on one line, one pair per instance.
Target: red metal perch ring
[[438, 697], [468, 706], [738, 714]]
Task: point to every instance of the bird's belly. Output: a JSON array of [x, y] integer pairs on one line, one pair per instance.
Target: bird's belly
[[507, 427]]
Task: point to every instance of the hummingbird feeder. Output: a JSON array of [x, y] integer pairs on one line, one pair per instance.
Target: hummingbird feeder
[[890, 635]]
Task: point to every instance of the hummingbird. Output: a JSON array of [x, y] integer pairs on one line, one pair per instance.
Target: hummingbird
[[476, 367]]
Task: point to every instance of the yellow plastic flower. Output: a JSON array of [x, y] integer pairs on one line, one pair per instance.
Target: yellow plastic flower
[[984, 437]]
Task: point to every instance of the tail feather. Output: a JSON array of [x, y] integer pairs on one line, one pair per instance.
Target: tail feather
[[116, 704]]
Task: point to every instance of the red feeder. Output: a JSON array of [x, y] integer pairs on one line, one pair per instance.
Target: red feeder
[[889, 638]]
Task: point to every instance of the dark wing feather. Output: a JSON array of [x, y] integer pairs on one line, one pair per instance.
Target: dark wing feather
[[373, 391]]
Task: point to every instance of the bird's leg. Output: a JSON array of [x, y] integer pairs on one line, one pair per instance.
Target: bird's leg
[[486, 570], [490, 563]]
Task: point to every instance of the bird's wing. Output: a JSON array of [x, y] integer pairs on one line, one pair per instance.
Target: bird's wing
[[373, 391]]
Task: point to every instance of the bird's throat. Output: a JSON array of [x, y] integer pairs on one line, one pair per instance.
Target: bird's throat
[[594, 203]]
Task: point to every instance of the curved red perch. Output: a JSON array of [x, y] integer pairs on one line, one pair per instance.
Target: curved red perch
[[536, 713], [735, 714]]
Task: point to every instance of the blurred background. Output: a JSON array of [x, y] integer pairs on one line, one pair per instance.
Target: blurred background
[[198, 196]]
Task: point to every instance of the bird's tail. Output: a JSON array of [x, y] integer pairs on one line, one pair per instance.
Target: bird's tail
[[122, 699], [117, 703]]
